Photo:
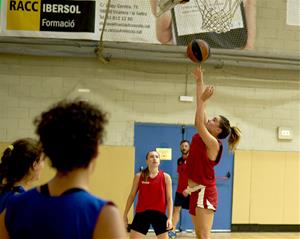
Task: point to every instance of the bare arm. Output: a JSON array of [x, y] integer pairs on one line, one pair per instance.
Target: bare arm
[[163, 24], [250, 11], [3, 231], [131, 196], [198, 74], [168, 181], [109, 224], [203, 94]]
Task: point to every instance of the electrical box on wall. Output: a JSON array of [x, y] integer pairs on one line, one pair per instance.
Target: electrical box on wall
[[285, 133], [185, 98]]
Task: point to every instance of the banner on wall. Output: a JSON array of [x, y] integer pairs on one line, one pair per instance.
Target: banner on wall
[[127, 21], [188, 22], [49, 18]]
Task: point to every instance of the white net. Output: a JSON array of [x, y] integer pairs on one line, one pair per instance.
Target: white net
[[217, 15]]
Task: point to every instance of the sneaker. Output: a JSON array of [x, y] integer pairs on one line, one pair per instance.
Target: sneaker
[[172, 235]]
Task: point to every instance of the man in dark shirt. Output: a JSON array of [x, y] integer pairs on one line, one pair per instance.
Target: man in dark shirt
[[181, 197]]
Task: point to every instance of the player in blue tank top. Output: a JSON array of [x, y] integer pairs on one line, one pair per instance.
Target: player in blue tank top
[[70, 133], [20, 166]]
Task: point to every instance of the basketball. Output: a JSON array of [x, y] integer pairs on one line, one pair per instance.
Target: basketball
[[198, 51]]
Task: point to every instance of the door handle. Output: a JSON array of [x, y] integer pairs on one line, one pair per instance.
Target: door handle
[[223, 178]]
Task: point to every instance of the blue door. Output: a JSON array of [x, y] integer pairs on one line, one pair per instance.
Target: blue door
[[151, 136]]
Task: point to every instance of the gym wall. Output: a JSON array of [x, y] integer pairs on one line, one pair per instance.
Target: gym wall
[[256, 100]]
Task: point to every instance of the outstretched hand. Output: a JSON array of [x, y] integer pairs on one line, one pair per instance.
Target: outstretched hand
[[207, 92]]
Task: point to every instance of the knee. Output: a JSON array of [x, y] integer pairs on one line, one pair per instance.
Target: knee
[[202, 235]]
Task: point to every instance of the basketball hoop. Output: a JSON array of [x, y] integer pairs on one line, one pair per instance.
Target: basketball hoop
[[217, 15]]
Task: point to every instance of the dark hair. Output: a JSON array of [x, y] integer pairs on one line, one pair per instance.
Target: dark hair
[[233, 132], [16, 161], [146, 172], [184, 141], [70, 133]]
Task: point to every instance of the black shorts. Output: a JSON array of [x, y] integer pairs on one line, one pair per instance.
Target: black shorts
[[182, 201], [142, 221]]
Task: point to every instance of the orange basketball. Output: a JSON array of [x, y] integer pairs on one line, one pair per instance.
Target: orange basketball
[[198, 50]]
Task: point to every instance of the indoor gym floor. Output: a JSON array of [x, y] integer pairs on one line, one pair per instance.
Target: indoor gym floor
[[239, 235]]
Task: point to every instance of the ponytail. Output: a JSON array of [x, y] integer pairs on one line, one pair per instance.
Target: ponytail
[[4, 169], [145, 174], [233, 132], [16, 161], [234, 138]]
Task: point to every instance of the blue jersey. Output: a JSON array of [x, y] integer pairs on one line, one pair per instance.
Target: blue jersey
[[34, 215], [6, 196]]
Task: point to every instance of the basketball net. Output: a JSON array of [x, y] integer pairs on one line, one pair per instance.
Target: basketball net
[[217, 15]]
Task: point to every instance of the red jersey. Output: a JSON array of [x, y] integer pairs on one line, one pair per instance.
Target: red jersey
[[152, 194], [200, 168], [182, 174]]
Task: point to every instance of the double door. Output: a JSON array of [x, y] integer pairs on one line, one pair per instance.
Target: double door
[[152, 136]]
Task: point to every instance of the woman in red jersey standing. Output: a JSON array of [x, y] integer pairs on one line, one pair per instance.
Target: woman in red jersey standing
[[154, 197], [205, 153]]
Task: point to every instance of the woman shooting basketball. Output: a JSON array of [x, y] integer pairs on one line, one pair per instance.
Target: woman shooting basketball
[[205, 153]]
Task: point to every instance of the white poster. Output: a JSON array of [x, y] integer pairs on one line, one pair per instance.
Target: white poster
[[0, 16], [293, 12], [128, 21]]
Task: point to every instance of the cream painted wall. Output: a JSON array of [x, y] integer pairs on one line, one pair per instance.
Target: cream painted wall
[[273, 34], [266, 187]]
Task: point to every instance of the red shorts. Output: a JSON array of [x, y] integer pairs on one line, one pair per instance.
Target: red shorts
[[204, 198]]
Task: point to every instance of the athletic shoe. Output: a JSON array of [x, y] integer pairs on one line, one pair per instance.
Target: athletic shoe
[[172, 235]]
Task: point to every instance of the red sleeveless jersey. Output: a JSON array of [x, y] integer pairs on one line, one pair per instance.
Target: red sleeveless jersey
[[152, 194], [200, 168], [182, 174]]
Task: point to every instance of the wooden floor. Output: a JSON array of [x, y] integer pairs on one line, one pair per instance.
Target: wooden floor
[[238, 235]]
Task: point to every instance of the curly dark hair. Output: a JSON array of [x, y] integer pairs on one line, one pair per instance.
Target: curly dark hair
[[16, 161], [70, 133]]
